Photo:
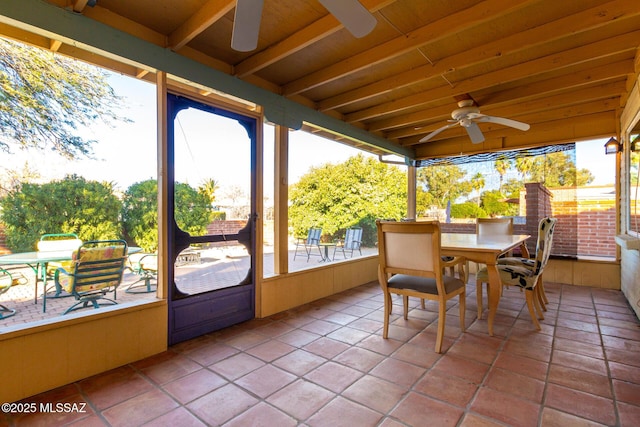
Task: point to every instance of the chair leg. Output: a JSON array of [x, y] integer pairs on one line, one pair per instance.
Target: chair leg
[[530, 297], [463, 308], [442, 312], [479, 298], [405, 303], [540, 299], [387, 313], [536, 304], [6, 312], [543, 294], [422, 303]]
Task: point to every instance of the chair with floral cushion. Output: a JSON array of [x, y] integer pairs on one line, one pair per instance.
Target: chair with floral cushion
[[528, 273], [97, 269], [57, 242]]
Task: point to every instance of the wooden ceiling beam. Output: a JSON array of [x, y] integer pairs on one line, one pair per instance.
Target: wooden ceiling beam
[[310, 34], [539, 66], [79, 5], [207, 15], [470, 17], [569, 26]]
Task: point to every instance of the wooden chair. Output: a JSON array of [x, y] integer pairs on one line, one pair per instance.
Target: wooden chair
[[490, 227], [309, 243], [352, 242], [411, 265], [97, 269], [527, 273]]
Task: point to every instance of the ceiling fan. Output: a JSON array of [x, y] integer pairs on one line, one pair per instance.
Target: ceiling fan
[[246, 23], [468, 116]]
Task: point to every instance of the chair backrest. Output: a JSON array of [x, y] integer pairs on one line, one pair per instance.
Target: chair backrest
[[59, 242], [544, 243], [411, 248], [98, 264], [494, 226], [313, 238], [353, 238]]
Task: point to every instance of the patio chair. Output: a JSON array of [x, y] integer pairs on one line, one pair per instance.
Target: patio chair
[[97, 269], [527, 273], [145, 266], [411, 265], [352, 241], [309, 243], [56, 242], [7, 280]]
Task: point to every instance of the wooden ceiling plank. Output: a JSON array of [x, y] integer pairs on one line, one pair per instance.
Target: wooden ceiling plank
[[207, 15], [473, 16], [310, 34], [508, 98], [524, 70], [569, 26], [530, 107], [560, 84]]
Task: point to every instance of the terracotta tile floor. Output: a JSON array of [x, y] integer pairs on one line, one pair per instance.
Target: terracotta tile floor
[[325, 364]]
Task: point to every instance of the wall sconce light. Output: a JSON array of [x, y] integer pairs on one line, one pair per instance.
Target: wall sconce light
[[635, 144], [612, 146]]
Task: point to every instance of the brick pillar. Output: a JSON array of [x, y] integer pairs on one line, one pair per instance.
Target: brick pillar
[[538, 201]]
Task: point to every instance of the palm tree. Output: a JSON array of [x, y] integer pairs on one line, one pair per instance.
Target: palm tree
[[477, 183], [209, 188], [502, 165]]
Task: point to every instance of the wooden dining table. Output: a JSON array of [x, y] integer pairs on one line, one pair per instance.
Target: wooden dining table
[[486, 250]]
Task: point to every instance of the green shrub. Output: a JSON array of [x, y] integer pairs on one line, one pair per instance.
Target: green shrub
[[467, 210], [71, 205]]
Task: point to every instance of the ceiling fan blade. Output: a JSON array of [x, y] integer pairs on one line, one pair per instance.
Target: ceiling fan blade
[[474, 132], [502, 121], [246, 25], [355, 17], [437, 131]]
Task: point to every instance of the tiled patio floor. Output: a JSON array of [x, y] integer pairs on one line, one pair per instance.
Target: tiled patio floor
[[325, 364]]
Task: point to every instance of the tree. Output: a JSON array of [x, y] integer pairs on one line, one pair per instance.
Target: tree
[[71, 205], [553, 170], [502, 166], [477, 184], [441, 183], [355, 192], [140, 212], [45, 98], [559, 170], [208, 188], [493, 203]]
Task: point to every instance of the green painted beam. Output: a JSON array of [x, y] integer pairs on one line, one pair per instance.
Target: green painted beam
[[54, 22]]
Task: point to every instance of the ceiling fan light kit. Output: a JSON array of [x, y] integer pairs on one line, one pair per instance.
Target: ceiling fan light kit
[[468, 116]]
